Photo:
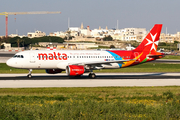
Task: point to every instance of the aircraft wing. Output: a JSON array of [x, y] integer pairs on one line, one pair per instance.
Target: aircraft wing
[[103, 62]]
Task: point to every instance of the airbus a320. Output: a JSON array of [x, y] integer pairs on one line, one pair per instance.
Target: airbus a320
[[78, 62]]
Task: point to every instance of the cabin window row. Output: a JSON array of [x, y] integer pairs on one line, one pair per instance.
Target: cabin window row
[[84, 57]]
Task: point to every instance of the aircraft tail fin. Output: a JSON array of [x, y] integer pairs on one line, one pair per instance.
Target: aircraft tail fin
[[150, 42]]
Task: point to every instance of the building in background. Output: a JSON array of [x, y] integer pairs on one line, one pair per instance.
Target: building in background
[[36, 34]]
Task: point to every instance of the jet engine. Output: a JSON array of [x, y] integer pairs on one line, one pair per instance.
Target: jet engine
[[53, 71], [75, 70]]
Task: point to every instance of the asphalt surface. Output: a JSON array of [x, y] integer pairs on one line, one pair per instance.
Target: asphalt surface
[[98, 77], [7, 54], [102, 80]]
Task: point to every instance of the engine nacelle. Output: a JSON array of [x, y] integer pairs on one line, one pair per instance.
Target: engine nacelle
[[53, 71], [75, 70]]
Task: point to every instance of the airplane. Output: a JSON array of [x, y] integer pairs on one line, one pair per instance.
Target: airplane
[[78, 62]]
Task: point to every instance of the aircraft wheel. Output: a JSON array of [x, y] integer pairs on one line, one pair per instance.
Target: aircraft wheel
[[92, 75], [29, 76]]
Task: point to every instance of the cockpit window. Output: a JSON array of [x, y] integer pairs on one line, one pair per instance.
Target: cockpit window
[[15, 56], [18, 56]]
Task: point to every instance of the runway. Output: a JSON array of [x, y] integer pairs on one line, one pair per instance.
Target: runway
[[4, 56], [102, 80]]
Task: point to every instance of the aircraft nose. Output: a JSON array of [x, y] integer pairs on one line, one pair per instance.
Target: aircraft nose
[[9, 62]]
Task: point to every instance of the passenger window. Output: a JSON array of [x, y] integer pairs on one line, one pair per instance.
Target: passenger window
[[22, 56]]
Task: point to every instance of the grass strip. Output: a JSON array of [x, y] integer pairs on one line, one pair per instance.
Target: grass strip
[[175, 57], [90, 103]]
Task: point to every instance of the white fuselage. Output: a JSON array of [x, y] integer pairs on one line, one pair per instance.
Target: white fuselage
[[59, 59]]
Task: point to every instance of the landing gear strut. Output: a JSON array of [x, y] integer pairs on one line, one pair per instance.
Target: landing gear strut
[[29, 74], [92, 75]]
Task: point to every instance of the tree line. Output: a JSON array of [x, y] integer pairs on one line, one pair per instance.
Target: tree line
[[25, 41]]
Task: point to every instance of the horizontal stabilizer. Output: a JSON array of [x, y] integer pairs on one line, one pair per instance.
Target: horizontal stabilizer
[[153, 56]]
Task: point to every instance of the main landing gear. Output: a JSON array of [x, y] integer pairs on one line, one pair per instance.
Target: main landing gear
[[29, 74], [92, 75]]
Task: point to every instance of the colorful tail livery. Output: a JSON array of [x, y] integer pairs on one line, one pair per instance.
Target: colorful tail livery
[[146, 51], [78, 62]]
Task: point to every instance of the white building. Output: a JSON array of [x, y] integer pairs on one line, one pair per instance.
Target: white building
[[81, 46], [58, 34], [74, 29], [137, 34], [99, 33], [86, 32], [16, 35], [36, 34], [13, 35], [7, 46]]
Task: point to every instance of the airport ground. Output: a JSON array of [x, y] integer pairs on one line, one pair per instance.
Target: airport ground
[[109, 96], [157, 75], [102, 80], [87, 103]]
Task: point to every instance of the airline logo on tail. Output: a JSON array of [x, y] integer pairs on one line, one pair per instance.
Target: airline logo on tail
[[149, 44], [152, 42]]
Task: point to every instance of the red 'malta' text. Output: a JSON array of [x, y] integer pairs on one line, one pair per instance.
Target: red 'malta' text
[[52, 56]]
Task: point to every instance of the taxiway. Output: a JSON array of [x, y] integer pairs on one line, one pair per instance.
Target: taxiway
[[102, 80]]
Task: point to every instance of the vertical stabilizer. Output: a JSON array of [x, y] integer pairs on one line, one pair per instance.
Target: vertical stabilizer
[[150, 42]]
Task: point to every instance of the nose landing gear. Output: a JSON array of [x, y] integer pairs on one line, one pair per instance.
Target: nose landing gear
[[29, 74]]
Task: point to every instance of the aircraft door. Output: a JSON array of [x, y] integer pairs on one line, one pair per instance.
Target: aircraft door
[[32, 57]]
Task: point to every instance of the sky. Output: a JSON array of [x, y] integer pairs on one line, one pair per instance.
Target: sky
[[93, 13]]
